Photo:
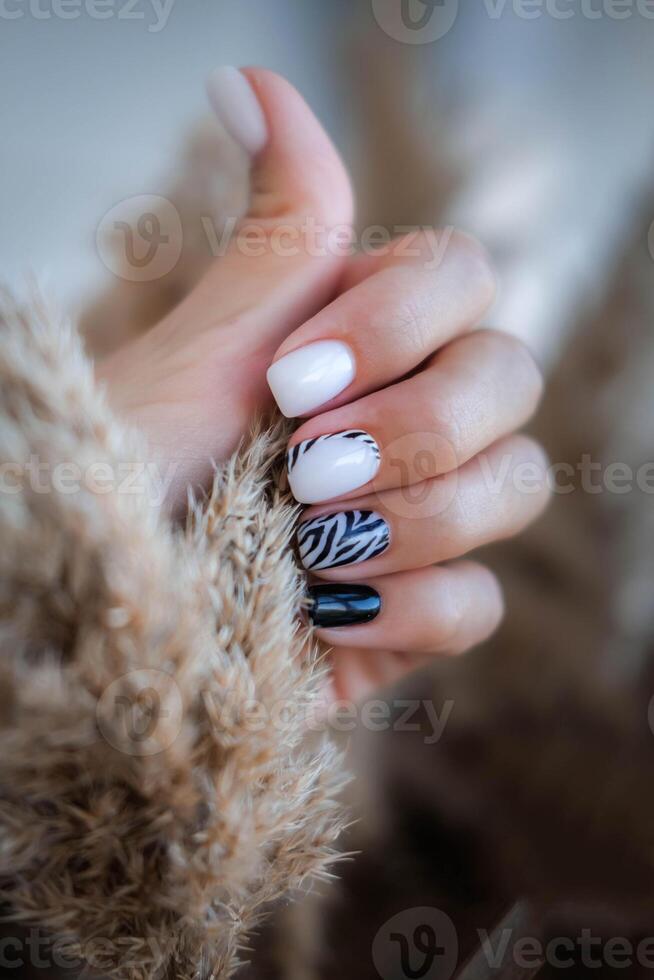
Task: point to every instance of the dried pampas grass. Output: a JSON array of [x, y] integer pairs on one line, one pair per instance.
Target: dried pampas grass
[[157, 788]]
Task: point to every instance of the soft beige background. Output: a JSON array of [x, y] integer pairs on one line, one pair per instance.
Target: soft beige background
[[544, 126]]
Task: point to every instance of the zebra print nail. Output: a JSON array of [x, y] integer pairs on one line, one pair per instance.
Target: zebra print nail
[[331, 465], [347, 538]]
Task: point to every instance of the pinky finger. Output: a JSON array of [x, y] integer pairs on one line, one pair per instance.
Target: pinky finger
[[443, 609]]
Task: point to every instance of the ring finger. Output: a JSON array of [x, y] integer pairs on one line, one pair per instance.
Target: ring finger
[[491, 497]]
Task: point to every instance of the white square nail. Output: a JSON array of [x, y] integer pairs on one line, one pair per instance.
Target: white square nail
[[310, 376], [331, 465]]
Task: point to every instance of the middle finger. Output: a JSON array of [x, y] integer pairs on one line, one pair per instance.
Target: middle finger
[[423, 427]]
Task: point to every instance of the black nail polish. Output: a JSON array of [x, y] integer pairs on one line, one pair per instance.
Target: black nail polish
[[343, 605]]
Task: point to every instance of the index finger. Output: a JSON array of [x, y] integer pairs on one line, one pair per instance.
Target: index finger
[[383, 327]]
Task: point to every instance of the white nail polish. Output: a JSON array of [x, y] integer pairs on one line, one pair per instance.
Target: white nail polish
[[309, 376], [331, 465], [237, 107]]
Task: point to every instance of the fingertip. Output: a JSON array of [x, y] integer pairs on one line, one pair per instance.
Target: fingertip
[[496, 601], [299, 171], [238, 108]]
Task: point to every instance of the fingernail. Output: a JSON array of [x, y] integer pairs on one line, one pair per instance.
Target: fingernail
[[309, 376], [347, 538], [331, 465], [237, 107], [342, 605]]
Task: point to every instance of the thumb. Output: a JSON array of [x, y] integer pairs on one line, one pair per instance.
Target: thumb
[[296, 170], [285, 250], [206, 361]]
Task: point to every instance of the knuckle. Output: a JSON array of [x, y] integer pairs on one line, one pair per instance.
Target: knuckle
[[448, 622], [470, 606], [423, 244], [418, 246], [478, 258], [448, 424], [526, 366], [410, 324], [531, 477], [514, 350], [459, 525], [530, 450], [495, 605]]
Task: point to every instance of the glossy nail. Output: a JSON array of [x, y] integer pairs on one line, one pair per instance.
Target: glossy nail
[[310, 376], [331, 465], [237, 108], [348, 538], [343, 605]]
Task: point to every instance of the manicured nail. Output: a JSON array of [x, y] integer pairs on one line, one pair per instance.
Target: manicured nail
[[331, 465], [347, 538], [237, 107], [309, 376], [342, 605]]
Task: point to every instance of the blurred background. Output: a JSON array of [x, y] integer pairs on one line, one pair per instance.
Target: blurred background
[[529, 124]]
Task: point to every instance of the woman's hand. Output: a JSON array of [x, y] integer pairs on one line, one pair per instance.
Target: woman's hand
[[195, 382], [413, 462], [407, 458]]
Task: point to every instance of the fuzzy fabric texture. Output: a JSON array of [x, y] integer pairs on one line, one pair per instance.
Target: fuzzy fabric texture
[[157, 788]]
